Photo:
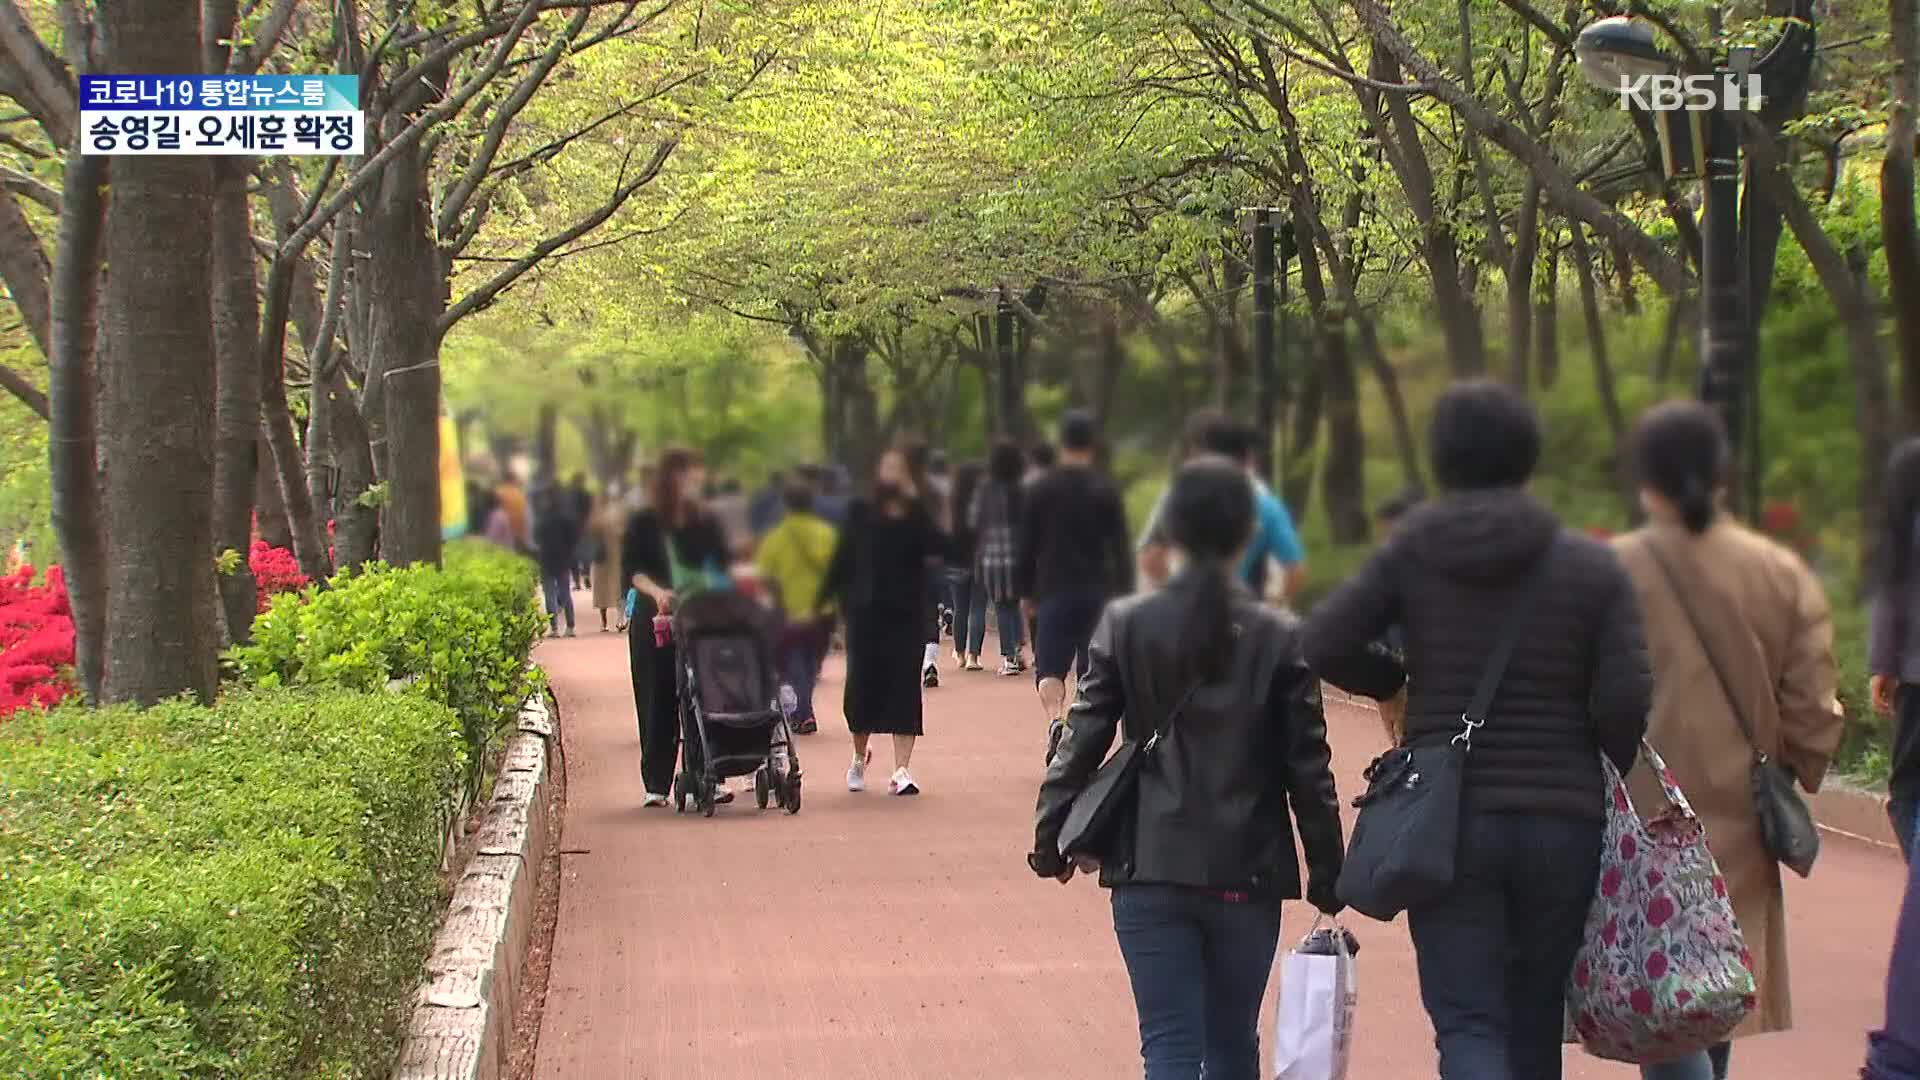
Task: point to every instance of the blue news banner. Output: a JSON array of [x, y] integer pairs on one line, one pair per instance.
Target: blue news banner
[[261, 115]]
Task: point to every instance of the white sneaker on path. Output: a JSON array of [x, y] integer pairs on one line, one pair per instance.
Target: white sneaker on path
[[857, 773], [902, 783]]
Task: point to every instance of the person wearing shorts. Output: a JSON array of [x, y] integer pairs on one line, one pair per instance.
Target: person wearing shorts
[[1073, 558]]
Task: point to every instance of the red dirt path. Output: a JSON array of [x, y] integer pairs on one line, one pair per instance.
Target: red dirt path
[[894, 938]]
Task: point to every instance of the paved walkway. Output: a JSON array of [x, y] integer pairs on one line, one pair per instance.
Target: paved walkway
[[905, 938]]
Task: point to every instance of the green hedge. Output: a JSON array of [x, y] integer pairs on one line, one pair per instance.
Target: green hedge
[[240, 891], [460, 634]]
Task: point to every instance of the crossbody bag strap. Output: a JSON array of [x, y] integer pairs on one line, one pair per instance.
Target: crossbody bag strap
[[1166, 725], [1476, 715], [1706, 646]]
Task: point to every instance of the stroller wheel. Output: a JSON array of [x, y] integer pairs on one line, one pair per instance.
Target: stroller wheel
[[680, 794], [761, 785], [792, 802]]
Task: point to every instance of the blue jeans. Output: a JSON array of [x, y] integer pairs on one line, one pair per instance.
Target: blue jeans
[[1893, 1052], [1705, 1065], [969, 601], [558, 587], [1905, 815], [1007, 614], [1494, 953], [1199, 965]]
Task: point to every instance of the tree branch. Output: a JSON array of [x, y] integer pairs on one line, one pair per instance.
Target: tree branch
[[14, 383], [247, 61], [46, 87], [27, 273], [486, 294]]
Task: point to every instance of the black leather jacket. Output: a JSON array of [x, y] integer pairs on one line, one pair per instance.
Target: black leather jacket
[[1213, 800]]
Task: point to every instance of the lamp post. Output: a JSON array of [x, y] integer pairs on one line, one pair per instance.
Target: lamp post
[[1272, 251], [1700, 137]]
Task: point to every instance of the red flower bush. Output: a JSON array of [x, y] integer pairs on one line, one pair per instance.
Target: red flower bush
[[275, 571], [36, 641]]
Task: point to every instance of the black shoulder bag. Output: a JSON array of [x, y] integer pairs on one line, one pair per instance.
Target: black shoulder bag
[[1787, 829], [1405, 846], [1109, 799]]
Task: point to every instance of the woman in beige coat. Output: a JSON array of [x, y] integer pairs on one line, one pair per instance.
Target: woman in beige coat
[[604, 529], [1767, 621]]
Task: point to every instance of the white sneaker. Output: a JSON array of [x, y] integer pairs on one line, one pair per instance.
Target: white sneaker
[[653, 800], [902, 783], [857, 773], [1009, 668]]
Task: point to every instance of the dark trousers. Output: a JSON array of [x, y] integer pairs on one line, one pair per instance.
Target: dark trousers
[[802, 646], [969, 614], [1495, 952], [1905, 814], [1894, 1051], [1199, 965], [656, 702], [559, 593]]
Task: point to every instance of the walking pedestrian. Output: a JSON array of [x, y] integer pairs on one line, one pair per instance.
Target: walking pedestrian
[[878, 579], [967, 594], [1893, 649], [1893, 1052], [768, 504], [578, 501], [1495, 950], [605, 526], [512, 497], [793, 560], [1196, 894], [1274, 540], [995, 519], [673, 547], [1073, 558], [556, 541], [1742, 645]]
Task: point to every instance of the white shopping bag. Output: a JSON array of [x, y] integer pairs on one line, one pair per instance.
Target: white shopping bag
[[1313, 1030]]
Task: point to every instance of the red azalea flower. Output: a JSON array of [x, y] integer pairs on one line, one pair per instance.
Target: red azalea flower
[[36, 641]]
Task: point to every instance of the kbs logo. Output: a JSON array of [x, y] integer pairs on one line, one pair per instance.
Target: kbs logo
[[1690, 93]]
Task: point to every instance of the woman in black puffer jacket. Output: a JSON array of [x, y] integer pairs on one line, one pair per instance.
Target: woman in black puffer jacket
[[1494, 953]]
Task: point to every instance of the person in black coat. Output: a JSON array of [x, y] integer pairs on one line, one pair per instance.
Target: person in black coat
[[1495, 951], [674, 545], [556, 541], [1198, 880]]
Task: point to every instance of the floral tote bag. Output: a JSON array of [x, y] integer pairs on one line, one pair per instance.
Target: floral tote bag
[[1663, 971]]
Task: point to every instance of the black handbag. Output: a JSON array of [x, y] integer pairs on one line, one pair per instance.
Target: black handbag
[[1107, 803], [1787, 829], [1405, 846]]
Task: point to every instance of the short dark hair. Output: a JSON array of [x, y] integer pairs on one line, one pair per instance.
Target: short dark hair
[[1077, 430], [1484, 435], [797, 495], [1680, 450], [1042, 455], [1214, 432]]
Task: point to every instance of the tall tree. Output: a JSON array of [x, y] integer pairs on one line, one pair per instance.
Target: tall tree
[[158, 388]]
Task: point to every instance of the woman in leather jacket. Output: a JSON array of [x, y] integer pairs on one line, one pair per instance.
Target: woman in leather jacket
[[1198, 878]]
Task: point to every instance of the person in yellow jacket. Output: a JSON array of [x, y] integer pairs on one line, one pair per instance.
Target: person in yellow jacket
[[793, 561]]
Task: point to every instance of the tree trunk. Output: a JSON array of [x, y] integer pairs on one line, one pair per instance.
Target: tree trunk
[[861, 433], [290, 466], [1303, 429], [1602, 367], [1680, 316], [1526, 248], [159, 388], [73, 382], [1342, 479], [269, 509], [356, 536], [1899, 231], [1546, 325], [546, 436], [237, 386], [404, 285]]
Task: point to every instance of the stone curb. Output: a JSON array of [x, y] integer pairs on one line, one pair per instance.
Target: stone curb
[[1838, 808], [463, 1012]]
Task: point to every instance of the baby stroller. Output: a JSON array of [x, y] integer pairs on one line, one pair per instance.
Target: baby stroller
[[731, 723]]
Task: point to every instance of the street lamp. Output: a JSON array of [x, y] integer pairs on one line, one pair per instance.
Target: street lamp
[[1700, 137]]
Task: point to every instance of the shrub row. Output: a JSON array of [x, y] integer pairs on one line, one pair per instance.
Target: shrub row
[[245, 890], [459, 636]]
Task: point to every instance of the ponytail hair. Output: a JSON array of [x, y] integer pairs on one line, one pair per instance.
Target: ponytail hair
[[1680, 451], [1210, 515]]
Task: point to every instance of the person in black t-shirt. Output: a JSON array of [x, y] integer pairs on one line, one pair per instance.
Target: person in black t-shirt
[[1074, 558]]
